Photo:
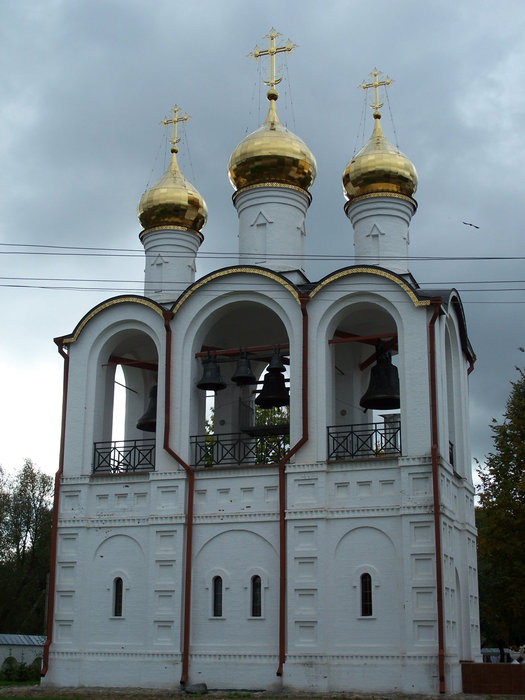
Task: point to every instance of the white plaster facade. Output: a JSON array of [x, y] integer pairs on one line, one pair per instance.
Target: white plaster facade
[[312, 529]]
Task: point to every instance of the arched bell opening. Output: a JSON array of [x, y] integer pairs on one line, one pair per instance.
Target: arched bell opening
[[127, 376], [454, 429], [241, 393], [365, 384]]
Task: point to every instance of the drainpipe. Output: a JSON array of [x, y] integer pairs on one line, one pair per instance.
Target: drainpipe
[[54, 521], [168, 315], [436, 303], [304, 298]]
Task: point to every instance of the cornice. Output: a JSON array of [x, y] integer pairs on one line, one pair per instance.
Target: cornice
[[240, 269]]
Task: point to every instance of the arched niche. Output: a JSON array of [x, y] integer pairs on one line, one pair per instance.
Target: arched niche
[[239, 324], [135, 352], [357, 324], [455, 432], [353, 336]]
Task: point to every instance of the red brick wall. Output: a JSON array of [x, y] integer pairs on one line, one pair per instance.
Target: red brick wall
[[507, 679]]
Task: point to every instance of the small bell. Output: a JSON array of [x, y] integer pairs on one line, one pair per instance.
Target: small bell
[[211, 379], [243, 375], [383, 388], [148, 422], [276, 363]]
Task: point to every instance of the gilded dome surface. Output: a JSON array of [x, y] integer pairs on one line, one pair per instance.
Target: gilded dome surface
[[379, 168], [172, 201], [272, 154]]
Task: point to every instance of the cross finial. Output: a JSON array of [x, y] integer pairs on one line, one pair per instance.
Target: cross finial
[[175, 120], [376, 84], [273, 80]]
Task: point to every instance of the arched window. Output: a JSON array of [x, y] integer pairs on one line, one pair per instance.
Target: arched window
[[366, 595], [256, 601], [117, 597], [217, 596]]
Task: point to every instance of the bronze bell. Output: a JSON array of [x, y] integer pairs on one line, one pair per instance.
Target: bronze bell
[[274, 393], [148, 422], [211, 379], [243, 375], [383, 388]]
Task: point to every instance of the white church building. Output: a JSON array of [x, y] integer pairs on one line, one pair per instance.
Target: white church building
[[315, 531]]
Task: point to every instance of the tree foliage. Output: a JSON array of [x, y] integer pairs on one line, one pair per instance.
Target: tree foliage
[[501, 525], [25, 532]]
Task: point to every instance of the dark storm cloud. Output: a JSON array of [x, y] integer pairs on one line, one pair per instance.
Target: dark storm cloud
[[86, 84]]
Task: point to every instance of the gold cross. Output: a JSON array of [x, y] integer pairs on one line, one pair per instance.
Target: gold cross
[[257, 53], [375, 84], [175, 120]]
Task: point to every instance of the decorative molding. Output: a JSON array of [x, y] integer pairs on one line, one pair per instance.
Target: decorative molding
[[371, 271], [245, 269], [104, 520], [77, 654], [251, 516], [105, 305]]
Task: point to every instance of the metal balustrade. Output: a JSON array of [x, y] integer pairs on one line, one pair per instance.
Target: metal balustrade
[[237, 449], [364, 440], [124, 456]]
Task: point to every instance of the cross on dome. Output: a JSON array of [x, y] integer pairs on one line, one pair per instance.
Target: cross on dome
[[175, 120], [375, 84], [271, 51]]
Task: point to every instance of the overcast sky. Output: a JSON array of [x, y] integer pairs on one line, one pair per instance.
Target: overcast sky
[[85, 84]]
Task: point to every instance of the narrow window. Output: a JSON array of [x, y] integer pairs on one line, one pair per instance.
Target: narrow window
[[366, 595], [217, 596], [117, 597], [256, 596]]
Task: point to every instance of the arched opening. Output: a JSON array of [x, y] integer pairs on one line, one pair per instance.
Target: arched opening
[[366, 595], [454, 402], [126, 376], [256, 597], [365, 385], [117, 597], [242, 379], [217, 596], [118, 428]]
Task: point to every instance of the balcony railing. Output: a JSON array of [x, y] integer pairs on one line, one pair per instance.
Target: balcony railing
[[364, 440], [124, 456], [238, 449]]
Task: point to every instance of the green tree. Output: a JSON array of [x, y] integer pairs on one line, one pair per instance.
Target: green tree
[[275, 440], [501, 525], [25, 529]]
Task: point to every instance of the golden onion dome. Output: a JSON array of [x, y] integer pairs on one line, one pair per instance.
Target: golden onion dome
[[172, 201], [272, 154], [379, 168]]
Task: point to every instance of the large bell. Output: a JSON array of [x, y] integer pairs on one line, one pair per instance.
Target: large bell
[[383, 388], [274, 393], [148, 422], [211, 379], [243, 375]]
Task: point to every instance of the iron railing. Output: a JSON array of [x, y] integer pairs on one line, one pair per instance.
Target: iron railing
[[124, 456], [237, 449], [364, 440]]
